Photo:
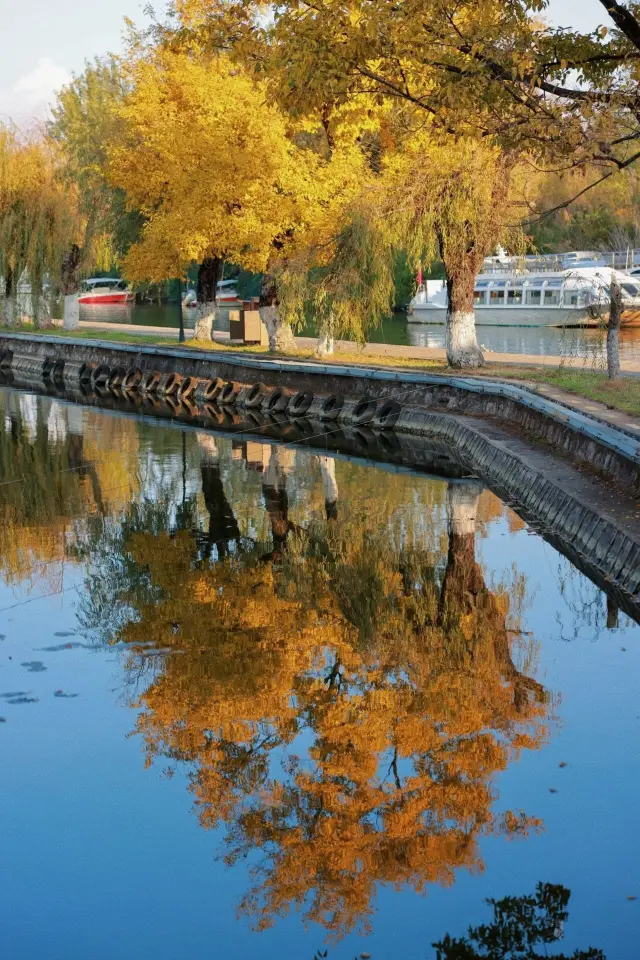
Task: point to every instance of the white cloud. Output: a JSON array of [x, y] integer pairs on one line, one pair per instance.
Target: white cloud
[[43, 81], [32, 94]]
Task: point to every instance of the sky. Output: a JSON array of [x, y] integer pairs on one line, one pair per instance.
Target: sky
[[45, 41]]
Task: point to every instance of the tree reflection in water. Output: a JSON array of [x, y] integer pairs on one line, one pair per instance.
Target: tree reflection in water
[[519, 926], [342, 697]]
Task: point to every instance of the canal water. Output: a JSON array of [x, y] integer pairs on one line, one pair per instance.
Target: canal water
[[260, 702], [576, 345]]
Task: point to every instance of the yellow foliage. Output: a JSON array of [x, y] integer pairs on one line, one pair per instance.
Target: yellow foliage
[[410, 722], [210, 164]]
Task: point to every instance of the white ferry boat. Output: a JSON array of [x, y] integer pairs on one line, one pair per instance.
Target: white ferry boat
[[568, 298]]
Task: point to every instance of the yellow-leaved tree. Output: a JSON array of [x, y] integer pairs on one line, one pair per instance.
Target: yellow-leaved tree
[[217, 174], [39, 220], [343, 696]]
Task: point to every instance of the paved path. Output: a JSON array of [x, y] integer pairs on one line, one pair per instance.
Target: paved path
[[598, 411], [396, 351]]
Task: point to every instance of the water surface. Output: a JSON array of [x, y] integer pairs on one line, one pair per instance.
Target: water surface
[[259, 701]]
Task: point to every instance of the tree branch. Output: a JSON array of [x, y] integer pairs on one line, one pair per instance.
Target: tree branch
[[567, 203], [624, 21]]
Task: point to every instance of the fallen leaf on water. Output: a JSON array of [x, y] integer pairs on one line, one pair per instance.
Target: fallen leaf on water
[[632, 898], [562, 764], [552, 790]]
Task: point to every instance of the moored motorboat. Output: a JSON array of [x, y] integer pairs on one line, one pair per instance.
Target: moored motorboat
[[227, 295], [570, 298], [105, 290]]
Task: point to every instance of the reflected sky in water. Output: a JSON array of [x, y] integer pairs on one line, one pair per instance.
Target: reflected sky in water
[[259, 701]]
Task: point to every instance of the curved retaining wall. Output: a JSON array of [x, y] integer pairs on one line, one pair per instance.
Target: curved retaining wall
[[605, 449], [572, 508]]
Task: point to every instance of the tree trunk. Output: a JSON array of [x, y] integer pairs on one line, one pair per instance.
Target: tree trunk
[[326, 344], [463, 578], [8, 306], [69, 287], [329, 486], [69, 274], [223, 527], [207, 298], [71, 316], [613, 330], [612, 614], [461, 341], [205, 320], [281, 339]]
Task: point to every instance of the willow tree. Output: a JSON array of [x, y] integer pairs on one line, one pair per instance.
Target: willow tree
[[453, 201], [39, 219], [85, 123]]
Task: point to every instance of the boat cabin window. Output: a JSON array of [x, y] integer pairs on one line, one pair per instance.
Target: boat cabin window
[[514, 296], [571, 298], [533, 292], [553, 292], [479, 296], [105, 283], [631, 289], [497, 292]]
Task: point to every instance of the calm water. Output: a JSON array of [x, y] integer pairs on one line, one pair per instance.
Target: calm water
[[259, 702], [587, 346]]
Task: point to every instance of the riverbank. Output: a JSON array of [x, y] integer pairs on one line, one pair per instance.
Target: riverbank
[[574, 384], [565, 469]]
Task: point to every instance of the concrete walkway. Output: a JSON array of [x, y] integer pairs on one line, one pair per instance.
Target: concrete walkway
[[590, 408]]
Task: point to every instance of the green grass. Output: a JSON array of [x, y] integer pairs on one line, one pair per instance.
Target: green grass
[[622, 395], [114, 336]]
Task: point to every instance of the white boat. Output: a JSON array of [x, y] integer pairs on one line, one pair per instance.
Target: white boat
[[227, 295], [568, 298], [99, 291]]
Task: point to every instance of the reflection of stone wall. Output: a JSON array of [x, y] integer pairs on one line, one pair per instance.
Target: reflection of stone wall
[[587, 441], [592, 530]]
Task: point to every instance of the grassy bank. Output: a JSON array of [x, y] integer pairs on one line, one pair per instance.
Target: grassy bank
[[621, 395]]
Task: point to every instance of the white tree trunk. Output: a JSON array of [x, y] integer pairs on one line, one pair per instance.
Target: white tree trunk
[[9, 311], [463, 507], [613, 353], [71, 316], [461, 340], [329, 483], [208, 447], [325, 345], [205, 320], [43, 315], [281, 339]]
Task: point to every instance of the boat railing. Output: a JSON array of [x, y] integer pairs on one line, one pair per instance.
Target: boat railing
[[622, 260]]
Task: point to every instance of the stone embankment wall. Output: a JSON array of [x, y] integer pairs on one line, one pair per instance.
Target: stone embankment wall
[[472, 420]]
